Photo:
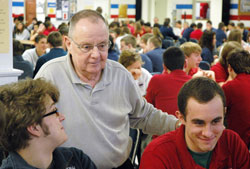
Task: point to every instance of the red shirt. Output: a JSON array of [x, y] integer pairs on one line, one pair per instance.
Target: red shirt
[[237, 92], [163, 89], [47, 31], [192, 71], [169, 151], [196, 34], [221, 74]]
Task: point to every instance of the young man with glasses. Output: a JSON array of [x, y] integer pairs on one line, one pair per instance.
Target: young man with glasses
[[99, 97], [33, 128]]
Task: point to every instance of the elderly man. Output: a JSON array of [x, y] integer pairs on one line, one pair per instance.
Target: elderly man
[[34, 129], [99, 97]]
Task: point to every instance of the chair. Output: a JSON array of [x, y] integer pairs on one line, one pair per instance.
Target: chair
[[167, 43], [204, 65], [135, 150], [193, 40], [180, 41]]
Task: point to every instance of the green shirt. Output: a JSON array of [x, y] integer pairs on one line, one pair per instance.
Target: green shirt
[[202, 159]]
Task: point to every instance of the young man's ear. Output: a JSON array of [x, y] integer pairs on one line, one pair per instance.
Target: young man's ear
[[34, 130], [180, 116]]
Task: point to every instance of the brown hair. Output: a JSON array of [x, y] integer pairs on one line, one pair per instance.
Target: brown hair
[[190, 47], [128, 57], [227, 48], [24, 103]]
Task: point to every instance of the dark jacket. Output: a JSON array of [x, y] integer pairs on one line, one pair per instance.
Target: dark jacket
[[63, 158], [19, 63], [156, 58], [53, 53]]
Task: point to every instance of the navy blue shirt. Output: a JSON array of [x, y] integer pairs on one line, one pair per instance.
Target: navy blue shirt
[[187, 32], [147, 63], [53, 53], [62, 158], [20, 63], [156, 56], [220, 37]]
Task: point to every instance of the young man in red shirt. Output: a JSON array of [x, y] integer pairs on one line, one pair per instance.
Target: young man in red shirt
[[202, 141], [163, 88], [237, 94]]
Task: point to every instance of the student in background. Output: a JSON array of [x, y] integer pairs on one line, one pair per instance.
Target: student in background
[[132, 61], [33, 54], [237, 93], [55, 43], [19, 62]]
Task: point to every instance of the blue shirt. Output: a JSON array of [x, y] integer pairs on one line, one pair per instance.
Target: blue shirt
[[62, 158], [53, 53]]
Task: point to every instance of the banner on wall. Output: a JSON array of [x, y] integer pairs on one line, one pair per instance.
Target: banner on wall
[[17, 8], [52, 9], [122, 9]]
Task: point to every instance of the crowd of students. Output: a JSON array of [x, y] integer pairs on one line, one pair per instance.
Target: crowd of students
[[129, 75]]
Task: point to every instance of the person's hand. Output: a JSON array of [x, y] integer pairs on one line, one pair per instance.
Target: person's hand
[[136, 73], [205, 73]]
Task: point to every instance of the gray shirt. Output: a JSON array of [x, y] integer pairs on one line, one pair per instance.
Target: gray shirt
[[98, 119]]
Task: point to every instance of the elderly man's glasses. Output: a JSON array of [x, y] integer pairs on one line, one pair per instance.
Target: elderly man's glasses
[[85, 48], [51, 113]]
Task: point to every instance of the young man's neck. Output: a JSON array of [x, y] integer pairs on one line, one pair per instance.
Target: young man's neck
[[39, 52], [36, 156]]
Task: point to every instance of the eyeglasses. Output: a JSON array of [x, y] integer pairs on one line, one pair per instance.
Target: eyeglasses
[[51, 113], [87, 48]]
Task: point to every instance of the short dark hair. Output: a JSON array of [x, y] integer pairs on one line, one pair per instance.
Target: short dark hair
[[199, 25], [55, 39], [239, 60], [24, 104], [129, 39], [18, 48], [174, 58], [39, 37], [221, 25], [210, 22], [202, 89]]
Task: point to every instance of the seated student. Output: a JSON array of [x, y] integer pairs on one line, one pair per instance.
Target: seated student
[[33, 54], [21, 33], [55, 43], [163, 88], [220, 68], [188, 31], [19, 63], [192, 52], [49, 27], [144, 41], [155, 53], [202, 141], [112, 53], [129, 42], [208, 43], [133, 63], [221, 36], [34, 130], [237, 94], [197, 33]]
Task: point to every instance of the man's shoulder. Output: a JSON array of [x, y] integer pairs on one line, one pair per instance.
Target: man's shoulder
[[54, 65], [165, 142], [29, 51]]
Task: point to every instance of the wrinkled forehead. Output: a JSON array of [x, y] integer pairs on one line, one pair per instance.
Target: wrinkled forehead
[[95, 22]]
